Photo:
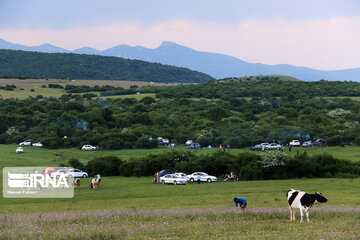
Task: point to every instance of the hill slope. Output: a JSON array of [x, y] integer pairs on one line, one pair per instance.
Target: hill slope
[[76, 66], [216, 65]]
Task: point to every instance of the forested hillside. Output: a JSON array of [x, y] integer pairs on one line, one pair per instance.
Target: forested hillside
[[76, 66], [231, 112]]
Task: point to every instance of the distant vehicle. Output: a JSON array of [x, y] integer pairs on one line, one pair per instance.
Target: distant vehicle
[[59, 172], [75, 173], [194, 146], [38, 144], [204, 177], [308, 144], [321, 140], [167, 171], [88, 148], [181, 175], [294, 143], [25, 143], [256, 148], [275, 146], [173, 179], [188, 142], [19, 150], [164, 141]]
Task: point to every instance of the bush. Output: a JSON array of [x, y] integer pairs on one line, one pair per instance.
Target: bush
[[107, 166]]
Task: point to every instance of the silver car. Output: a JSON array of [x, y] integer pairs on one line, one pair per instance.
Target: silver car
[[172, 179]]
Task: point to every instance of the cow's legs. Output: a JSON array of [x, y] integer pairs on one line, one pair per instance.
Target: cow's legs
[[291, 213], [307, 211], [301, 214]]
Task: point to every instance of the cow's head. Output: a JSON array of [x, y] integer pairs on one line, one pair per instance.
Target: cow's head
[[320, 198]]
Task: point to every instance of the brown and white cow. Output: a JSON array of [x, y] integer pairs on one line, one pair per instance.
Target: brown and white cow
[[76, 182], [303, 201]]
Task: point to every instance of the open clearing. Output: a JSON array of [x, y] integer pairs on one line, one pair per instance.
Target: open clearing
[[24, 86], [134, 208]]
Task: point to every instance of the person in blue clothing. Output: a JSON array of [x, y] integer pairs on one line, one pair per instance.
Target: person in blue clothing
[[98, 177], [240, 202], [198, 179]]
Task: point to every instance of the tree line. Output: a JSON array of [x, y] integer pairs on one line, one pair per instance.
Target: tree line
[[227, 112]]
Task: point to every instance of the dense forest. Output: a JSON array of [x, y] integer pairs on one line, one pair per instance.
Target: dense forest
[[76, 66], [239, 113]]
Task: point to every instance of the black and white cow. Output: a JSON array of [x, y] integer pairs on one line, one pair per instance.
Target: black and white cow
[[303, 201]]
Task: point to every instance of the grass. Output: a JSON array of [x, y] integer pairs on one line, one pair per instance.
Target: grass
[[36, 84], [43, 156], [134, 208]]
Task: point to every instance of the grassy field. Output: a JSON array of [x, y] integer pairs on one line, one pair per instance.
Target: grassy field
[[134, 208], [43, 156], [24, 86]]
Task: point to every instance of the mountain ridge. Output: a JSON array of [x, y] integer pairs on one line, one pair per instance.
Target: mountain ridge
[[216, 65]]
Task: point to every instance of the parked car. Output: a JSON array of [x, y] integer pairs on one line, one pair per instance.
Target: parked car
[[275, 146], [173, 179], [19, 150], [194, 146], [204, 177], [76, 173], [167, 171], [88, 148], [321, 141], [25, 143], [38, 144], [294, 143], [58, 172], [188, 142], [308, 144], [181, 175], [256, 148]]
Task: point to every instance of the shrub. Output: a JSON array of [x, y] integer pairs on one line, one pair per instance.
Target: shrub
[[107, 166]]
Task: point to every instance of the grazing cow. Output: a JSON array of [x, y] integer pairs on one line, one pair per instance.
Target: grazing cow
[[95, 182], [303, 201], [76, 182]]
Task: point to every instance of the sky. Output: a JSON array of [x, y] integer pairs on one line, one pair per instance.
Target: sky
[[321, 34]]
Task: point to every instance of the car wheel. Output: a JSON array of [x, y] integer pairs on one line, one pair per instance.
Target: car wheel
[[191, 180], [208, 180], [175, 183], [163, 181], [84, 176]]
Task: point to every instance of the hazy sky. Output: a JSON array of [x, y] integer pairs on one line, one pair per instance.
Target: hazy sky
[[322, 34]]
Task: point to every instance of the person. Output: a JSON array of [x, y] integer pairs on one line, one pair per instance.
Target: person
[[157, 177], [98, 177], [198, 179], [240, 202], [289, 147], [228, 147]]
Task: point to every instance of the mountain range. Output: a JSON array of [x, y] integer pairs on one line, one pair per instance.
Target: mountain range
[[214, 64]]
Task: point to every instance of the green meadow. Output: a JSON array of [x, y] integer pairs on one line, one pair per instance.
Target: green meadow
[[44, 156], [135, 208]]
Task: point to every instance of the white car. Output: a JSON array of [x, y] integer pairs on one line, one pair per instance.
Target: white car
[[59, 172], [294, 143], [76, 173], [173, 179], [88, 148], [19, 150], [188, 142], [276, 146], [38, 144], [25, 143], [204, 177], [181, 175]]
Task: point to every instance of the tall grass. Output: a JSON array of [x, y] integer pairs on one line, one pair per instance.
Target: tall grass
[[227, 223]]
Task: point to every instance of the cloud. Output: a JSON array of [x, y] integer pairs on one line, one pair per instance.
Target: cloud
[[330, 43]]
